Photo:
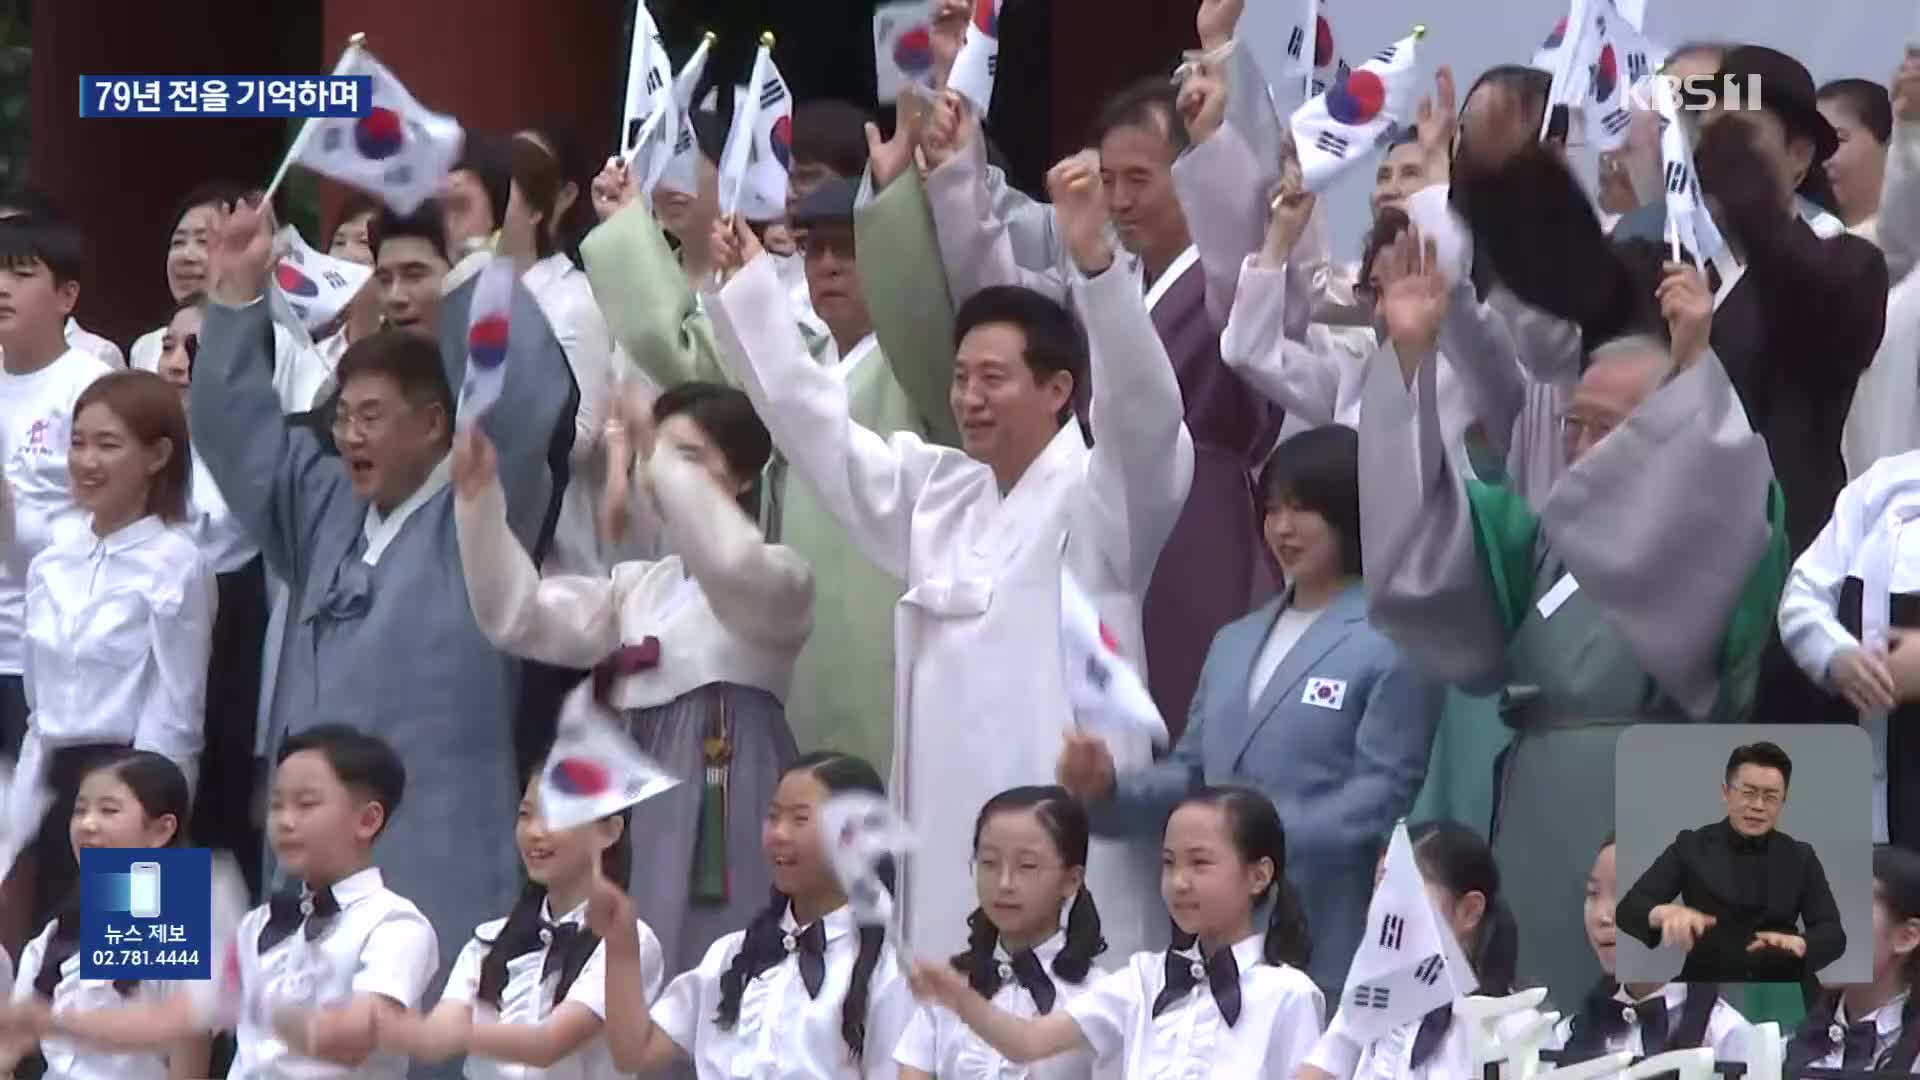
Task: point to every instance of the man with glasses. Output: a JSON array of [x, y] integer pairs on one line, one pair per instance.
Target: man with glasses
[[1747, 902]]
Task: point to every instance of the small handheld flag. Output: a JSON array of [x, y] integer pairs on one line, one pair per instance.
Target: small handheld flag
[[753, 167], [902, 48], [681, 171], [317, 286], [1690, 225], [216, 1001], [1346, 123], [860, 830], [1409, 962], [1281, 42], [649, 78], [487, 339], [399, 151], [1104, 689], [978, 64], [594, 769]]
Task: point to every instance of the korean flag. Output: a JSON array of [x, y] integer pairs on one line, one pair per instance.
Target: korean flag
[[317, 287], [978, 64], [902, 48], [1105, 689], [649, 79], [753, 167], [398, 151], [594, 769], [1343, 125], [862, 831], [487, 339], [681, 171], [1408, 963]]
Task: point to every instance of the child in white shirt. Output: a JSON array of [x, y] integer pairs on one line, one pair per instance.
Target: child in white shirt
[[1030, 864], [1228, 1004], [527, 996], [134, 799], [306, 973], [802, 992], [1644, 1019], [1873, 1026]]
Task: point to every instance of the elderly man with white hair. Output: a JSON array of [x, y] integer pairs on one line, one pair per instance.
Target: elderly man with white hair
[[1642, 589]]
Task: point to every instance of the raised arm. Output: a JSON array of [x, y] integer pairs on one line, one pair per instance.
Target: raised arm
[[975, 242], [567, 620], [1221, 186], [867, 483], [1449, 561], [1899, 224], [761, 591], [647, 299], [1303, 380], [275, 479], [638, 1043], [1141, 465], [907, 294]]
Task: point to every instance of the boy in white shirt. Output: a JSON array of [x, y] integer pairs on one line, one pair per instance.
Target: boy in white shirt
[[304, 975], [41, 263]]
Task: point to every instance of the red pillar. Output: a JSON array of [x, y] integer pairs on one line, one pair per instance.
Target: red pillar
[[121, 178]]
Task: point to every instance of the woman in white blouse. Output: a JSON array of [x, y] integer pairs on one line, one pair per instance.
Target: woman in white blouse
[[527, 996], [1029, 865], [1463, 883], [560, 287], [1873, 1025], [134, 799], [695, 651], [1644, 1019], [1230, 1003], [119, 616], [803, 993]]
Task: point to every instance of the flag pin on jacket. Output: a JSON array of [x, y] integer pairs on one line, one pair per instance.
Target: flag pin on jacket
[[1325, 693]]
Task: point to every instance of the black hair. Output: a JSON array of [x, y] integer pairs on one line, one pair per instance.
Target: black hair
[[536, 172], [1319, 470], [427, 222], [710, 133], [520, 934], [365, 764], [1456, 858], [761, 946], [1718, 49], [1153, 102], [1257, 834], [357, 204], [727, 417], [1896, 879], [1066, 824], [216, 193], [490, 159], [1867, 101], [1766, 755], [831, 132], [1643, 262], [570, 226], [1402, 135], [1388, 224], [51, 242], [28, 202], [161, 789], [1529, 85], [1054, 341], [411, 361]]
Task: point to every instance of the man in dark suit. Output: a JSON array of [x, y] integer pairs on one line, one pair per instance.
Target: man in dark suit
[[1743, 888]]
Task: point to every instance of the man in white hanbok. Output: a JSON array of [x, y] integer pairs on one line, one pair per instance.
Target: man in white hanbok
[[980, 537]]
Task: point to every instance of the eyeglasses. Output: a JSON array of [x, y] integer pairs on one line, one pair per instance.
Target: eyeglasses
[[1574, 427], [368, 423], [1756, 797]]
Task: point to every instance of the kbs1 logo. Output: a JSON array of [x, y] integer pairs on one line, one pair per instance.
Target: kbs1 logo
[[1697, 93]]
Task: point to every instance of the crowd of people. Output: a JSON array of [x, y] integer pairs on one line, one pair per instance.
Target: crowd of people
[[793, 500]]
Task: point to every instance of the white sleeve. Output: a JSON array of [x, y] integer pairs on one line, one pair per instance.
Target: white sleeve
[[869, 484], [1141, 465], [761, 591], [919, 1046], [568, 619], [1297, 377], [1337, 1053], [689, 1000], [1223, 194], [463, 982], [1107, 1012], [1296, 1030], [890, 1010], [173, 718], [299, 371], [1809, 605], [976, 246], [399, 959], [1899, 224], [582, 333], [31, 957]]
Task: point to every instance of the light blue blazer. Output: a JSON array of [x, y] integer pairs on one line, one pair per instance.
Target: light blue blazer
[[1340, 777]]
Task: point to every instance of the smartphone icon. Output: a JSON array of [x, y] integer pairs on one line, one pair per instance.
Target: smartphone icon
[[144, 890]]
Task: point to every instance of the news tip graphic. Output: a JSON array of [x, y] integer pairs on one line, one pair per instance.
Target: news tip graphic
[[280, 96], [145, 913]]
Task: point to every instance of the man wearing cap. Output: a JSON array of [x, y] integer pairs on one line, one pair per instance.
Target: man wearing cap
[[884, 312]]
